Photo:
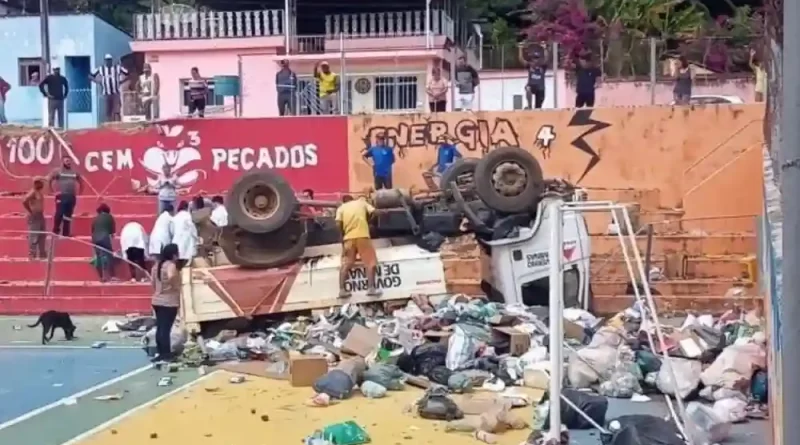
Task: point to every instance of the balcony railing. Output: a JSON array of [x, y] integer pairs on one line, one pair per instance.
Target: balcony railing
[[388, 24], [209, 25]]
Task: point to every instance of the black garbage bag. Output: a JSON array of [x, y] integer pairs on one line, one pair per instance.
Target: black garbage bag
[[422, 359], [593, 405], [640, 429], [440, 375], [431, 241], [336, 383], [435, 405]]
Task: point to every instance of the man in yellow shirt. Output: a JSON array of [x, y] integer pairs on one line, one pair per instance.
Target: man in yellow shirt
[[328, 88], [352, 217]]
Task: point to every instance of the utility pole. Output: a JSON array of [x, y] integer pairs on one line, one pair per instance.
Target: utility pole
[[789, 159], [44, 13]]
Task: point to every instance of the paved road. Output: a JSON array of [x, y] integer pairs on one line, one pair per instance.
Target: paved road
[[14, 331]]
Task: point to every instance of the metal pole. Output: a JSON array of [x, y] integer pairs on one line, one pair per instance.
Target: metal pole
[[428, 42], [790, 187], [653, 68], [556, 317], [555, 74], [44, 15], [286, 27], [342, 76], [648, 260]]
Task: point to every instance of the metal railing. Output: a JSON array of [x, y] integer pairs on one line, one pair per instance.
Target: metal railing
[[209, 25]]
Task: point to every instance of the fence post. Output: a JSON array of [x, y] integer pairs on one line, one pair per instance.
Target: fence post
[[342, 75], [555, 75], [653, 68], [503, 77]]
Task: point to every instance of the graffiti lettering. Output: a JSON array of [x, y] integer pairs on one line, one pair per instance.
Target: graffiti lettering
[[387, 275], [472, 134], [108, 160], [295, 157]]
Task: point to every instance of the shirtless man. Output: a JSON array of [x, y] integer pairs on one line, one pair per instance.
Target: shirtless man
[[34, 205]]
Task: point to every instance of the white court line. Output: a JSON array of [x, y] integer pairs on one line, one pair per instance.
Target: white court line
[[85, 435], [40, 410]]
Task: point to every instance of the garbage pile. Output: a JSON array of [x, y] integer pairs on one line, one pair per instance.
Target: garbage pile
[[462, 348]]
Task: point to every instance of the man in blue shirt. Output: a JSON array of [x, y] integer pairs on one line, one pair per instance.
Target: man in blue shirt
[[382, 156], [446, 154]]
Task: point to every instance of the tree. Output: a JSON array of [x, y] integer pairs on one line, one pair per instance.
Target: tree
[[566, 22]]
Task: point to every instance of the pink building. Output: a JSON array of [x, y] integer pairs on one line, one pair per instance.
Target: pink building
[[383, 57]]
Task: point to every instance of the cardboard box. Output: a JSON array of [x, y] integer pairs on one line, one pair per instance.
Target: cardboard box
[[361, 340], [304, 370], [518, 342]]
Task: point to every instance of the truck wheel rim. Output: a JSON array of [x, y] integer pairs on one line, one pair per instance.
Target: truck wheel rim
[[260, 202], [509, 179]]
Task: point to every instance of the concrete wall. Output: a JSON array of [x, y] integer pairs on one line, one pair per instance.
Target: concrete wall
[[70, 36], [498, 89]]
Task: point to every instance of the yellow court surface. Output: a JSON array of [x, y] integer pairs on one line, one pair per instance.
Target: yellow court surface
[[263, 411]]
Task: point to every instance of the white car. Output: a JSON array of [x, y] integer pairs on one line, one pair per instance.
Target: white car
[[706, 99]]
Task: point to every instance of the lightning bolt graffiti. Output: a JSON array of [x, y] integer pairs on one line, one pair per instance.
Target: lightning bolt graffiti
[[583, 118]]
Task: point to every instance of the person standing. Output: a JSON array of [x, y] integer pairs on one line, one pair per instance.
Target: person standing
[[4, 89], [286, 86], [535, 88], [166, 188], [185, 234], [466, 81], [69, 185], [166, 299], [328, 88], [437, 92], [103, 229], [352, 218], [149, 86], [219, 216], [382, 156], [162, 232], [198, 94], [133, 240], [587, 80], [682, 91], [55, 88], [446, 154], [34, 206], [109, 77], [761, 76]]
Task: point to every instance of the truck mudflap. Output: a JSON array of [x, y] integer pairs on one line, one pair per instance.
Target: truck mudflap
[[224, 292]]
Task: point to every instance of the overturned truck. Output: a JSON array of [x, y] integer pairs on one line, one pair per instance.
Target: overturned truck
[[285, 255]]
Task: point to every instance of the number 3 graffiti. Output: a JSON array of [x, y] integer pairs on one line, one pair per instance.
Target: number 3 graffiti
[[544, 139]]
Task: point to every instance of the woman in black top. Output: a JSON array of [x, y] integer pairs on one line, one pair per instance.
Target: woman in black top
[[103, 228]]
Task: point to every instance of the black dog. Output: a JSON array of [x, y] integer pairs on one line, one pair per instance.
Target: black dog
[[51, 320]]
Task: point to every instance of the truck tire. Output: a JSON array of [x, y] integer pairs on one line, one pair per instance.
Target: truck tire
[[261, 202], [262, 251], [462, 167], [509, 180]]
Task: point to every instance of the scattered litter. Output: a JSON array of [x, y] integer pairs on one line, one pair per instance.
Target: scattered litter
[[70, 401], [99, 345], [108, 397], [237, 379], [165, 381], [57, 385]]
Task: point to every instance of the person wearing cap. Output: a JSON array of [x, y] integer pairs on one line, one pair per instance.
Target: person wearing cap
[[55, 88], [382, 157], [328, 88], [110, 77], [286, 85]]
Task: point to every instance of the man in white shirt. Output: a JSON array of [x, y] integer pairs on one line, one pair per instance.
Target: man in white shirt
[[219, 215], [162, 231], [133, 239]]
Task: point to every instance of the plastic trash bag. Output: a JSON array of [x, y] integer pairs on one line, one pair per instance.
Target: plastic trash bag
[[639, 429], [224, 352], [704, 426], [345, 433], [372, 390], [731, 410], [177, 339], [734, 367], [585, 367], [440, 375], [435, 405], [336, 383], [593, 405], [388, 376], [624, 379], [687, 373], [460, 382], [461, 347]]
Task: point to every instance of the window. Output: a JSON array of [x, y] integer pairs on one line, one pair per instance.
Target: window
[[396, 93], [212, 100], [30, 70]]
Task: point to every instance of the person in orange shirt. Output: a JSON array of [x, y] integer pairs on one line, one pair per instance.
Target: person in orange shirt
[[353, 217]]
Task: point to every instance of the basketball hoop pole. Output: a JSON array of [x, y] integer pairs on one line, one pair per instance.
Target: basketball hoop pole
[[556, 342]]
